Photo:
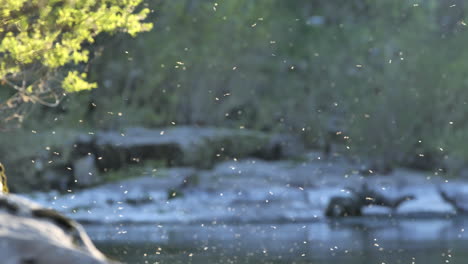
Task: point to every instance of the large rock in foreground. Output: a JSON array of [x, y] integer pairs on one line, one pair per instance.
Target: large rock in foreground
[[32, 234]]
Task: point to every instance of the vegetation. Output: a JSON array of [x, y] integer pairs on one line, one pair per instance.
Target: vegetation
[[42, 42], [385, 78], [390, 76]]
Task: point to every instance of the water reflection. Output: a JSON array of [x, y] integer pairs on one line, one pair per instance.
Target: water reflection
[[371, 240]]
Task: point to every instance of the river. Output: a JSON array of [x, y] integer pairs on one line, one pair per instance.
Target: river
[[347, 241]]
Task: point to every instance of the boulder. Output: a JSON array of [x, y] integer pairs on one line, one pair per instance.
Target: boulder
[[426, 206], [85, 172], [456, 194], [376, 210], [256, 172], [342, 206], [381, 194], [427, 201], [30, 233], [55, 177], [282, 146], [183, 146]]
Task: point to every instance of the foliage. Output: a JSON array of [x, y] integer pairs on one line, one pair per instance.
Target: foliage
[[386, 78], [41, 41], [20, 149]]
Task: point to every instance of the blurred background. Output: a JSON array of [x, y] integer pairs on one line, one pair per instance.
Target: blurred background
[[379, 86]]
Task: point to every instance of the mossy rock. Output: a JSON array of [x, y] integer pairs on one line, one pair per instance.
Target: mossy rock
[[177, 146]]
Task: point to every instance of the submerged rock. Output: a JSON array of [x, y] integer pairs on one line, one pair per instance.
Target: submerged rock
[[30, 233]]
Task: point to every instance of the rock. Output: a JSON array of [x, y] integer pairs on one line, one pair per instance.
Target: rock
[[255, 172], [411, 192], [180, 195], [396, 188], [320, 197], [164, 179], [282, 146], [55, 177], [380, 191], [383, 196], [353, 203], [85, 171], [456, 194], [343, 203], [376, 210], [251, 173], [342, 206], [254, 190], [178, 146], [426, 207], [32, 234], [427, 201]]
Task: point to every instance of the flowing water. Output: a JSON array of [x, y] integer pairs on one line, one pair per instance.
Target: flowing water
[[350, 241]]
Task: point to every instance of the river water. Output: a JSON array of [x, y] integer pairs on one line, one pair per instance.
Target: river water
[[347, 241]]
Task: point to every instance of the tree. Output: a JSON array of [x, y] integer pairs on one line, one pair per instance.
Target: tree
[[44, 45]]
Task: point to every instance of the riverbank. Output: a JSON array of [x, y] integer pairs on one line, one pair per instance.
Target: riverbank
[[259, 191], [204, 175], [249, 192]]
